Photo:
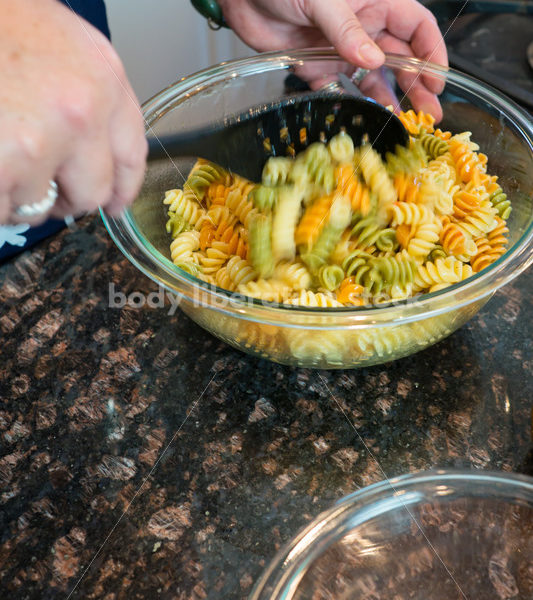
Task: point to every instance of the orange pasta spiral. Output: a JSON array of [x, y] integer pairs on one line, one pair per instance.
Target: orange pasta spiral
[[207, 235], [313, 221], [454, 240], [216, 194], [470, 165], [407, 187], [464, 202], [491, 247], [497, 236], [349, 292], [491, 184], [349, 184], [404, 234], [486, 255], [443, 135], [415, 122], [231, 236]]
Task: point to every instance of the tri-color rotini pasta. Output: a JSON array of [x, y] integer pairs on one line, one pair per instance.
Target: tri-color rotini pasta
[[338, 225]]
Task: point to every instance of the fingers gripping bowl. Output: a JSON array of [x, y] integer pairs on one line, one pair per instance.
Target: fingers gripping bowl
[[340, 337]]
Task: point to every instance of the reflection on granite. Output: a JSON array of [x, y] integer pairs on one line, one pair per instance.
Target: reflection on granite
[[143, 454]]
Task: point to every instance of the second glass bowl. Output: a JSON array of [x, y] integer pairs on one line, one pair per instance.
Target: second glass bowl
[[443, 535]]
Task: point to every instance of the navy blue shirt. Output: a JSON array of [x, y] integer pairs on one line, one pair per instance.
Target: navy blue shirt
[[91, 10], [16, 238]]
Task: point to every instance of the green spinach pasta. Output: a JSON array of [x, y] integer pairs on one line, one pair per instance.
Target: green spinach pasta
[[338, 225]]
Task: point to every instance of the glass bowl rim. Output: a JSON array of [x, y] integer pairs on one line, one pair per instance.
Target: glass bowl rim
[[289, 557], [149, 260]]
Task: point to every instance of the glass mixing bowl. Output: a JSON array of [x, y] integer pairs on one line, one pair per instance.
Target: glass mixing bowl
[[442, 535], [318, 337]]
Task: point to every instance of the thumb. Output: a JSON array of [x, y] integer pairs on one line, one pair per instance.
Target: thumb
[[341, 27]]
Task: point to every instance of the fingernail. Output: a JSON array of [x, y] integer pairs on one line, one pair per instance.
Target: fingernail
[[371, 54]]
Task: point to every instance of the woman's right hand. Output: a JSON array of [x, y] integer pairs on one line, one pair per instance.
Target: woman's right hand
[[67, 113]]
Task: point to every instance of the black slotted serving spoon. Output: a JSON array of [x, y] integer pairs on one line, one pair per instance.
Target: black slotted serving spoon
[[242, 143]]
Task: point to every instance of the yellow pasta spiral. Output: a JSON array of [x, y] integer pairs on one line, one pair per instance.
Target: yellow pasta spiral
[[183, 246], [341, 148], [424, 239], [182, 205], [431, 273], [317, 299], [236, 272], [213, 260], [409, 214], [265, 289], [376, 176], [293, 274], [434, 193], [479, 221], [276, 170], [238, 203]]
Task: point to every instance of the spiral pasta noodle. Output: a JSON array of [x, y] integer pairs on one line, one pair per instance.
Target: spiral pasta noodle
[[341, 148], [348, 184], [270, 290], [180, 204], [376, 176], [500, 202], [433, 145], [417, 122], [407, 160], [203, 174], [293, 274], [184, 245], [454, 240], [261, 245], [276, 171], [337, 225], [312, 222]]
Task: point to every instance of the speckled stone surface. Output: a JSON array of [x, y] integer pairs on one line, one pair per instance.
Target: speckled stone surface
[[142, 458]]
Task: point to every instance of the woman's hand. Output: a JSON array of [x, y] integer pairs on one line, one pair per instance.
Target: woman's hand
[[67, 113], [360, 30]]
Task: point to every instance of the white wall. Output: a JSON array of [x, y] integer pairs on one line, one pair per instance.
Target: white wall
[[161, 41]]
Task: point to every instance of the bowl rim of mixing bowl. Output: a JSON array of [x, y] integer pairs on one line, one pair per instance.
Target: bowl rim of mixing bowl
[[288, 566], [157, 267]]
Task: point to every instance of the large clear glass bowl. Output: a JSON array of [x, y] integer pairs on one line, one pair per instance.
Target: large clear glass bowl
[[441, 535], [316, 337]]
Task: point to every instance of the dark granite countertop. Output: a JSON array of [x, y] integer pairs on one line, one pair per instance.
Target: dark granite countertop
[[142, 458]]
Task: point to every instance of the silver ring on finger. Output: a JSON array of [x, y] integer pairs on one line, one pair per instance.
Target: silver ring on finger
[[358, 75], [40, 208]]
